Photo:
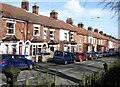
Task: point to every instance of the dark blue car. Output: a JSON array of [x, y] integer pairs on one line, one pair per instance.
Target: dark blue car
[[64, 57], [19, 61]]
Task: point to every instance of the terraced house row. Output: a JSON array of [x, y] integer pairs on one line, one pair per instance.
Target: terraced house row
[[31, 33]]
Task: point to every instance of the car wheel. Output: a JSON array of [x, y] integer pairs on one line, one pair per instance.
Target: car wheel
[[31, 66], [80, 60], [91, 58], [65, 62]]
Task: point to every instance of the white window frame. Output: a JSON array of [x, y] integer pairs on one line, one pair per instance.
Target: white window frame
[[52, 34], [33, 46], [85, 39], [39, 47], [45, 34], [94, 40], [72, 36], [81, 39], [35, 25], [11, 28], [65, 36]]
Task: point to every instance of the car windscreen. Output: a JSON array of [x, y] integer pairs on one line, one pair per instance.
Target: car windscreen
[[76, 53], [58, 53], [17, 56]]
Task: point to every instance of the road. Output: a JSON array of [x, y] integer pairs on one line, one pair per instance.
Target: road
[[73, 72], [69, 74]]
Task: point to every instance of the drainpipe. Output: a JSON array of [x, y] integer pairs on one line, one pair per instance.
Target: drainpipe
[[25, 34]]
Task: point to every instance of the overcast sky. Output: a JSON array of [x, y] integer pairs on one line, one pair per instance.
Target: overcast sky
[[79, 10]]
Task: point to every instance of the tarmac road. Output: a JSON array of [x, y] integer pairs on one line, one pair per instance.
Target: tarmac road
[[69, 74]]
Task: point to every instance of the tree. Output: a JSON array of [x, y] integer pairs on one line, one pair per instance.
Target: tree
[[113, 5]]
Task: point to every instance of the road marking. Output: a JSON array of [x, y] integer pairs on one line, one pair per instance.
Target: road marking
[[91, 64], [66, 70]]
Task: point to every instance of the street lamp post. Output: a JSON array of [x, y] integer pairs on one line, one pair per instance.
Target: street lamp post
[[91, 39]]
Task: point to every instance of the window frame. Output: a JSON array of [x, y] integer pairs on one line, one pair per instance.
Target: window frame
[[52, 38], [81, 39], [85, 39], [38, 26], [65, 36], [44, 36], [72, 36], [12, 22], [33, 47]]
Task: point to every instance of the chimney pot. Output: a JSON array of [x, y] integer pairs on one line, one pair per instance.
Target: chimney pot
[[96, 30], [105, 34], [101, 32], [25, 4], [90, 28], [54, 14], [81, 25], [35, 8], [69, 21]]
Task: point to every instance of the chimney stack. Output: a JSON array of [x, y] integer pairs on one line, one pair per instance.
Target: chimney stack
[[69, 21], [81, 25], [90, 28], [101, 32], [25, 4], [54, 14], [35, 8], [96, 30], [105, 34]]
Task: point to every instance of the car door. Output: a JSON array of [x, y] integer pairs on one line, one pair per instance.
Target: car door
[[72, 57], [22, 61], [13, 61]]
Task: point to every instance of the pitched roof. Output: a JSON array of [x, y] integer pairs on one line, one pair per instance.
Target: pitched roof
[[13, 12]]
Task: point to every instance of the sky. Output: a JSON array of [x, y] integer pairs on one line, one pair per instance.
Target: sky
[[85, 11]]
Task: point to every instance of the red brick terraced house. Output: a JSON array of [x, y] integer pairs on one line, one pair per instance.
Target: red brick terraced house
[[31, 33]]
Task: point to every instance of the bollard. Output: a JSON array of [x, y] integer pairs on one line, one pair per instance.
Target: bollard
[[105, 67]]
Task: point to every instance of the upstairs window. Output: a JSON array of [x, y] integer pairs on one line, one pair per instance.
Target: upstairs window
[[36, 30], [72, 36], [65, 36], [10, 28], [80, 39], [45, 33], [85, 39], [51, 34]]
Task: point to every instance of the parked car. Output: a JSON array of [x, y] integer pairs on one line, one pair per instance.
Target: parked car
[[80, 56], [112, 53], [63, 57], [105, 54], [99, 54], [43, 56], [19, 61], [91, 55]]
